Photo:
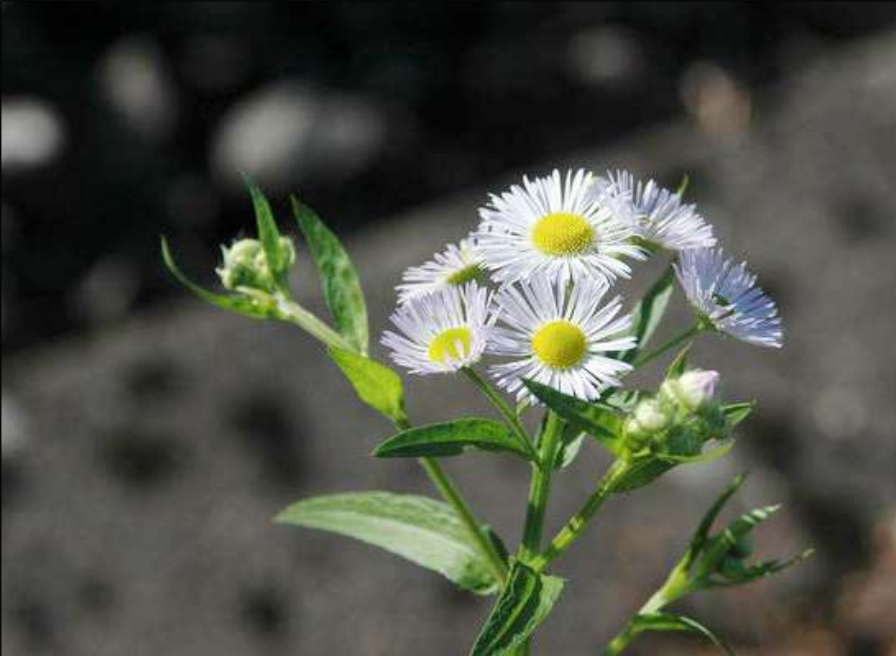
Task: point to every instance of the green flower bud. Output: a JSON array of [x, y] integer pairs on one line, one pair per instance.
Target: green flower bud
[[245, 265], [648, 418]]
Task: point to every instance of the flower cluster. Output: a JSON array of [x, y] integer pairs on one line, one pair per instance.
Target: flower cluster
[[554, 246]]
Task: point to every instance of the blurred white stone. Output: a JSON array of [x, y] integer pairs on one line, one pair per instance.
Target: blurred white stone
[[285, 134], [719, 104], [33, 134], [107, 291], [13, 426], [135, 80]]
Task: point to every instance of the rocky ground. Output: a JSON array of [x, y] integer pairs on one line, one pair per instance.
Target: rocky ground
[[141, 467]]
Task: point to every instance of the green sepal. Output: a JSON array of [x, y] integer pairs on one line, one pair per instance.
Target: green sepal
[[422, 530], [376, 384], [736, 412], [680, 363], [527, 599], [341, 286], [245, 305], [672, 622], [452, 438]]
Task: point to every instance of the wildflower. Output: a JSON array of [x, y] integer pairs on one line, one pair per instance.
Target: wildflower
[[458, 264]]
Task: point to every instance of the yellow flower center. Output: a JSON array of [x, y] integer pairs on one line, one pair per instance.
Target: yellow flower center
[[464, 275], [559, 344], [562, 233], [453, 343]]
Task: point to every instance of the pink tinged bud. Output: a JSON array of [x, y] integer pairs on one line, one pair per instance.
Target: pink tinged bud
[[697, 388]]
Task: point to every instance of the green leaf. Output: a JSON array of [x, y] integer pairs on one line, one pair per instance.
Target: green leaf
[[243, 305], [640, 471], [422, 530], [680, 363], [737, 412], [342, 289], [451, 439], [717, 547], [595, 418], [570, 444], [670, 622], [762, 570], [376, 385], [683, 186], [708, 456], [523, 605], [648, 313], [701, 535], [269, 236], [625, 400]]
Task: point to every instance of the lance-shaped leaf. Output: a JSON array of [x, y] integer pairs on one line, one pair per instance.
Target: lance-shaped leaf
[[451, 438], [570, 444], [718, 547], [760, 570], [705, 457], [525, 602], [737, 412], [376, 385], [701, 535], [641, 470], [269, 236], [342, 289], [243, 305], [426, 532], [595, 418], [670, 622], [680, 363], [648, 314]]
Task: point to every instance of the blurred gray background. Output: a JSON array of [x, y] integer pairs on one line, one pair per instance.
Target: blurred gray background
[[147, 439]]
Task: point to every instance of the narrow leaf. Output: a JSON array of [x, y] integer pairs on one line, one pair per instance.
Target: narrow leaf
[[762, 570], [648, 313], [717, 547], [342, 289], [523, 605], [702, 533], [376, 385], [570, 444], [707, 457], [422, 530], [451, 439], [595, 418], [640, 471], [240, 304], [680, 363], [269, 236], [737, 412], [670, 622]]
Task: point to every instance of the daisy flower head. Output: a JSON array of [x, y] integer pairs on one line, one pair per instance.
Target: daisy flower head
[[658, 215], [553, 226], [443, 331], [457, 265], [724, 294], [559, 337]]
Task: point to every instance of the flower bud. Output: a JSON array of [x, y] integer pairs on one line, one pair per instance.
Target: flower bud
[[648, 418], [245, 265], [694, 389]]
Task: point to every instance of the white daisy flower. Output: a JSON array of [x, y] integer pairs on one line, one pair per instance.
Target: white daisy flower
[[555, 227], [456, 265], [443, 331], [659, 216], [725, 295], [558, 337]]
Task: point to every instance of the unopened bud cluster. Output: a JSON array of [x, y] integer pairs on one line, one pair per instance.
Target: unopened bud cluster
[[680, 418], [245, 266]]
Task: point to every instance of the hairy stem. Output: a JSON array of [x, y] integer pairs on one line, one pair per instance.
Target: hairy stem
[[578, 522], [693, 331], [540, 488], [509, 414]]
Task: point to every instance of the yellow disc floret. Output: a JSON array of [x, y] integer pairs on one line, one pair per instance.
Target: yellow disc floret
[[562, 233], [453, 343], [559, 344]]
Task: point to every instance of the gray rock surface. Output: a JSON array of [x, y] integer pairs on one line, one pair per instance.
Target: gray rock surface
[[148, 460]]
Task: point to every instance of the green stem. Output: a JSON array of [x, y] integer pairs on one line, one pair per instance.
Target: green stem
[[693, 331], [577, 523], [670, 591], [509, 414], [452, 496], [540, 488], [292, 312]]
